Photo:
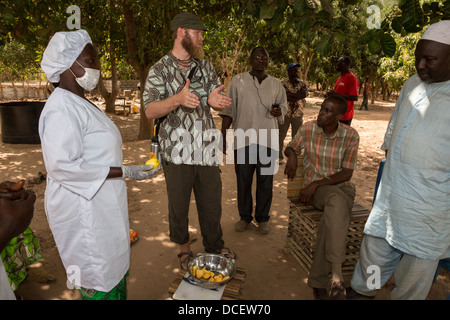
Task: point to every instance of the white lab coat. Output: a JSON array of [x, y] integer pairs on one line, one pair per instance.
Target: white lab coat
[[87, 213]]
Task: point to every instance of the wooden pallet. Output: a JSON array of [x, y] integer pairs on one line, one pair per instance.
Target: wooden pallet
[[233, 289], [302, 235], [304, 223]]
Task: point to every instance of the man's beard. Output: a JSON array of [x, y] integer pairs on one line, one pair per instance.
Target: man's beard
[[188, 45]]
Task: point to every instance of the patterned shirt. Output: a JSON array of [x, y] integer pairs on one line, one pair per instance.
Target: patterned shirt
[[295, 109], [325, 156], [186, 135]]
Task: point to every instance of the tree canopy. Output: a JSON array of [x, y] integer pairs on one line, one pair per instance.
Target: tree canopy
[[379, 36]]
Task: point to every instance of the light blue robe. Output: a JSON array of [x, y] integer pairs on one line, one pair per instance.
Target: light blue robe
[[412, 207]]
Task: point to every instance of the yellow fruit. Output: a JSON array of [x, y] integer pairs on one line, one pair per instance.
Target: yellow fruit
[[199, 274], [206, 274], [154, 162]]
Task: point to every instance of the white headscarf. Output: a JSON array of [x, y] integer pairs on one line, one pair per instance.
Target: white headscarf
[[62, 51], [439, 32]]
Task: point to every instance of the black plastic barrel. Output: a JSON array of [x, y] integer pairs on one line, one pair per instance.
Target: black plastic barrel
[[20, 121]]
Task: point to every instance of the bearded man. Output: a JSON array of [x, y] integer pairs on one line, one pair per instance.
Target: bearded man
[[180, 90]]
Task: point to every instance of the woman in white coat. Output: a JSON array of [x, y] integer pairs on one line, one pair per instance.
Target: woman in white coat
[[86, 196]]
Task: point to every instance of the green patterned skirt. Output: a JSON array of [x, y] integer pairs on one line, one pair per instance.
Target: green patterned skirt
[[21, 252], [119, 292]]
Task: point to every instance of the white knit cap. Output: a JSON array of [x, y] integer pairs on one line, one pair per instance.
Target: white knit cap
[[62, 51], [439, 32]]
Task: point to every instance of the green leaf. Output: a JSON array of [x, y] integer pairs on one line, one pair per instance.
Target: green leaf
[[412, 15], [36, 243], [325, 16], [324, 44], [388, 44], [366, 37], [339, 23], [22, 275], [397, 24], [13, 241], [251, 8], [374, 46], [276, 21], [9, 251], [28, 239], [341, 37], [268, 9], [300, 7]]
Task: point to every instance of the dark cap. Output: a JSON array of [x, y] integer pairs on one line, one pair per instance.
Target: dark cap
[[292, 65], [186, 20]]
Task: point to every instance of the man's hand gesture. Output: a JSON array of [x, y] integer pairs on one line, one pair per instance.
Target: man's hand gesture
[[218, 101], [187, 98]]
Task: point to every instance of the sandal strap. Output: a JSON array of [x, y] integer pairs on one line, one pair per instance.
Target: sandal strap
[[184, 262], [229, 254], [190, 254]]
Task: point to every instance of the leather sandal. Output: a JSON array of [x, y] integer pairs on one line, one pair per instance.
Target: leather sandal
[[184, 262], [229, 254]]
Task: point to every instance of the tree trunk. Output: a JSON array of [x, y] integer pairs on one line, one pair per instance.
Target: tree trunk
[[133, 59], [145, 125], [110, 98]]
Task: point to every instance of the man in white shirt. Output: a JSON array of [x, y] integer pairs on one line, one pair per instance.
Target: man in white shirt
[[408, 230], [258, 105]]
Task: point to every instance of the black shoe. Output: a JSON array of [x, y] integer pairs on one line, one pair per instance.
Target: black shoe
[[353, 295], [320, 293]]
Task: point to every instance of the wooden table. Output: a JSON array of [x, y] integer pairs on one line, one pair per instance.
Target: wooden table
[[233, 288]]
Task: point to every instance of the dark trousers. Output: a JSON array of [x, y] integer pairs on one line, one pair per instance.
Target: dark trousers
[[365, 103], [347, 122], [206, 183], [295, 124], [248, 161]]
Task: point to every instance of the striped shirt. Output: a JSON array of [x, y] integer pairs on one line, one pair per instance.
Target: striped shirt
[[325, 156]]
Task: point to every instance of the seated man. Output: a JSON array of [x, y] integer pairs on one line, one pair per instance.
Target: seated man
[[330, 150]]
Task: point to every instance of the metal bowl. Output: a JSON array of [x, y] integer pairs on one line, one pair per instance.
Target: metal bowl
[[215, 263]]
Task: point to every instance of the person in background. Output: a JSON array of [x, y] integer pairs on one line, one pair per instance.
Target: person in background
[[86, 195], [408, 229], [330, 153], [180, 91], [16, 213], [258, 106], [346, 86], [365, 103], [296, 92]]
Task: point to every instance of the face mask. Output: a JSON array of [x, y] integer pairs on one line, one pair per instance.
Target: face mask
[[90, 78]]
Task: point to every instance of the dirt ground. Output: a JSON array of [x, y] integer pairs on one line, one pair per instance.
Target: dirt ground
[[272, 273]]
